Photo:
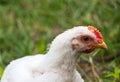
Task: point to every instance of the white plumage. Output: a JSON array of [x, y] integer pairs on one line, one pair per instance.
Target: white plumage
[[58, 65]]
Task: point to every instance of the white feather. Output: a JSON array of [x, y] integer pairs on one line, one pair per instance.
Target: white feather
[[58, 65]]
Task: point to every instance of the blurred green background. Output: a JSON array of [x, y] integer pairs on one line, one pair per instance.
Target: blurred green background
[[28, 26]]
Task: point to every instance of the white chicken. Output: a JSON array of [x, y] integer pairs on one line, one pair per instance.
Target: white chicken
[[58, 65]]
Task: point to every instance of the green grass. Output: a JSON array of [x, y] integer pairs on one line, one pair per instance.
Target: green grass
[[28, 26]]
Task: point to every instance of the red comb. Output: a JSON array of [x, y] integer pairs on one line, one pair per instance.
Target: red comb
[[96, 32]]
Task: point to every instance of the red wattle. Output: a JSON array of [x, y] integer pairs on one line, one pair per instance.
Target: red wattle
[[88, 50]]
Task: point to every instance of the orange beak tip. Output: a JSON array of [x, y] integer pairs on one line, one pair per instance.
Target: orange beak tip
[[101, 45]]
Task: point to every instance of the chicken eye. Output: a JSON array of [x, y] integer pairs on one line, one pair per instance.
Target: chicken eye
[[86, 39]]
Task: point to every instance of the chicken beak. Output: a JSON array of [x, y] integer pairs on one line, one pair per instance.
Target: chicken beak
[[101, 45]]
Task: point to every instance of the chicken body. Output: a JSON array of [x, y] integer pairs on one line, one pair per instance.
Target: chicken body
[[58, 65], [39, 69]]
